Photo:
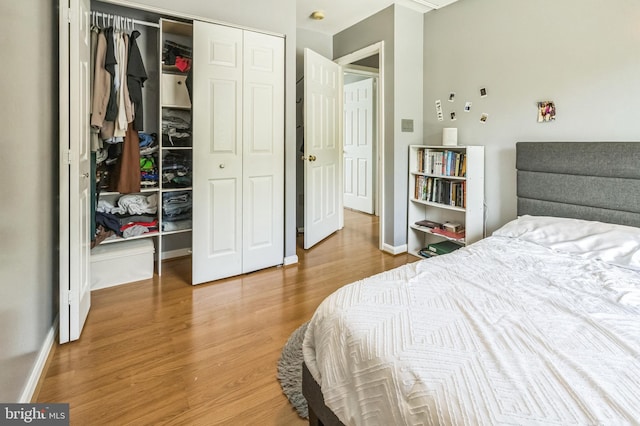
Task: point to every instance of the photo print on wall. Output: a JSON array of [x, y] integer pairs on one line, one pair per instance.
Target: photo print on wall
[[439, 112], [546, 111]]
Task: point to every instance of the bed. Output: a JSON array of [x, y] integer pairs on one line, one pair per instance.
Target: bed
[[537, 324]]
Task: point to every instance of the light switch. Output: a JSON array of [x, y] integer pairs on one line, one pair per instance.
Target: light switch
[[406, 125]]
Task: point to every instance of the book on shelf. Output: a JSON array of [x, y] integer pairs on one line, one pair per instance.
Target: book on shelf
[[420, 156], [426, 253], [452, 226], [443, 247], [449, 234], [429, 224]]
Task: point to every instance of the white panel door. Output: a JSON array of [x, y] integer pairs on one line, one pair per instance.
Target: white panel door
[[263, 152], [322, 147], [217, 152], [75, 56], [358, 146]]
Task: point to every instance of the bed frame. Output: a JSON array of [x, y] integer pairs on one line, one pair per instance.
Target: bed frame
[[581, 180], [319, 413]]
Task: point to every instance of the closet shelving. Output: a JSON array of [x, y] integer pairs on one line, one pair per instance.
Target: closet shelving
[[176, 153], [113, 196], [149, 30], [164, 92]]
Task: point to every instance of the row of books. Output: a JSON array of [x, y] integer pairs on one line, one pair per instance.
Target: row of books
[[443, 191], [436, 249], [445, 163]]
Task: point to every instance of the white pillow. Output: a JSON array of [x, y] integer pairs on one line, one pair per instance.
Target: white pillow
[[616, 244]]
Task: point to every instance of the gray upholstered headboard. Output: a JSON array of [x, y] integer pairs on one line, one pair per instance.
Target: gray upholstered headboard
[[584, 180]]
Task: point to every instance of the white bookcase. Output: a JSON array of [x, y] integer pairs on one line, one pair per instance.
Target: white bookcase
[[446, 184]]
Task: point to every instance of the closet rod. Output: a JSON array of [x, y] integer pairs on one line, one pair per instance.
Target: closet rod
[[110, 16]]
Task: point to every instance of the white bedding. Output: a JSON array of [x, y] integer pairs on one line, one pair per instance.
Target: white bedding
[[504, 331]]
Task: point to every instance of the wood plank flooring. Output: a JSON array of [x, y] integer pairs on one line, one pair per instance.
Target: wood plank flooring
[[161, 351]]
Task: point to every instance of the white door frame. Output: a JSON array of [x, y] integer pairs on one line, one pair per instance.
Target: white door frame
[[346, 60]]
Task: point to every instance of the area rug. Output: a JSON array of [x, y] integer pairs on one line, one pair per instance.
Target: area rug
[[290, 371]]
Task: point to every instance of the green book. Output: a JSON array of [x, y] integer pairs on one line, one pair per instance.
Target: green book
[[444, 247]]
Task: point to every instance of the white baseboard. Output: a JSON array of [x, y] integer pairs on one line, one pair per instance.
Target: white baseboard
[[394, 250], [38, 367], [176, 253], [290, 260]]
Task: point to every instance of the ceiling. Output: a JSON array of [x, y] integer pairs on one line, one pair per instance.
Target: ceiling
[[341, 14]]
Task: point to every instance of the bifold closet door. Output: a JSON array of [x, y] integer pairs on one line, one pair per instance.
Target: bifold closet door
[[217, 152], [263, 152], [238, 151], [75, 156]]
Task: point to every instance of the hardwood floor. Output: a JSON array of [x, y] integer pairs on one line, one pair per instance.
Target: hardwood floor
[[162, 351]]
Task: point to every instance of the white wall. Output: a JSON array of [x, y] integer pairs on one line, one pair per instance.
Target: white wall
[[318, 42], [29, 176], [277, 16], [582, 54]]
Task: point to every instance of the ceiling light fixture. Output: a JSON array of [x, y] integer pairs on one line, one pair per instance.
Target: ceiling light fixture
[[317, 15]]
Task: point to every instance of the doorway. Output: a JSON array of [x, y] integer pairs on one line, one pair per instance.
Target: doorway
[[360, 141], [364, 62], [364, 65]]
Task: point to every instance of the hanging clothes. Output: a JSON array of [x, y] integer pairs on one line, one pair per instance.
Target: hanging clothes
[[95, 143], [125, 110], [110, 65], [110, 96], [101, 84], [136, 76], [127, 172], [113, 111]]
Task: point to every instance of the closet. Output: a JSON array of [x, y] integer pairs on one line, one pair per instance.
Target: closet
[[216, 120]]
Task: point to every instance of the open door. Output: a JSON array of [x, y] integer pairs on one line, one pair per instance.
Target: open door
[[359, 141], [75, 156], [322, 147]]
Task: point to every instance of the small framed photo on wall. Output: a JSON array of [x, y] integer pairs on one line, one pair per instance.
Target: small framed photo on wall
[[546, 111]]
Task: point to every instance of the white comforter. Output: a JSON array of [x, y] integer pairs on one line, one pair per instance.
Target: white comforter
[[501, 332]]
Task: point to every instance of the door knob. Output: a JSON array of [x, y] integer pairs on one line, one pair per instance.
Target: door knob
[[312, 158], [221, 166]]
